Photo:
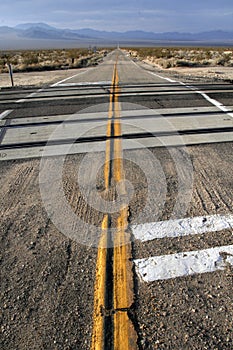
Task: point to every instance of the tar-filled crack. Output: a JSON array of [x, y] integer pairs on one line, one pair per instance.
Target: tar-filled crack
[[107, 309], [132, 311]]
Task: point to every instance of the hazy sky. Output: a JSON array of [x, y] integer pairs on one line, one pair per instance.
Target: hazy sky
[[122, 15]]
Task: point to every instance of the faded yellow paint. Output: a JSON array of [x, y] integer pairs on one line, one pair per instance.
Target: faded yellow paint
[[125, 337], [99, 292]]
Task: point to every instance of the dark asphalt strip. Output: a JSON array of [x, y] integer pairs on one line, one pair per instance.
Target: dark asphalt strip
[[125, 136]]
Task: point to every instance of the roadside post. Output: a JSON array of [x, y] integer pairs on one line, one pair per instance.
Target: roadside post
[[11, 73]]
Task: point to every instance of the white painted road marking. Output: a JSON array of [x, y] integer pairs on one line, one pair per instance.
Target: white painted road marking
[[204, 95], [28, 96], [87, 84], [184, 264], [161, 77], [5, 113], [62, 81], [182, 227], [209, 99]]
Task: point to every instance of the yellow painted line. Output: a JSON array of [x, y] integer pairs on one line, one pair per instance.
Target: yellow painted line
[[109, 127], [99, 292], [125, 337], [124, 334], [98, 332]]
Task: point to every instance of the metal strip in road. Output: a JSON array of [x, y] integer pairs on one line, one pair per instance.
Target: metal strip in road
[[99, 146], [182, 227], [184, 264], [35, 137], [125, 115], [32, 98]]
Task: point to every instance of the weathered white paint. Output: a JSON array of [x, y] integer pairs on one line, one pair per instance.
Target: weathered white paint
[[95, 83], [62, 81], [33, 94], [182, 227], [161, 77], [184, 264], [204, 95], [5, 113]]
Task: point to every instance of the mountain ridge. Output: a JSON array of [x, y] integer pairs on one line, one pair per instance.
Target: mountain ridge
[[87, 36], [24, 28]]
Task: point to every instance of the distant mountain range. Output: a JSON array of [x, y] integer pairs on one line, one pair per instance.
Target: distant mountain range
[[39, 34]]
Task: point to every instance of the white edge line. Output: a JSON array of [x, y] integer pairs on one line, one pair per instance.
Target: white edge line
[[161, 77], [62, 81], [182, 227], [184, 264], [215, 103], [30, 95], [96, 83], [5, 113], [204, 95]]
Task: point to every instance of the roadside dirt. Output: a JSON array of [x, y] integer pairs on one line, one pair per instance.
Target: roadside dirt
[[215, 73], [37, 78], [47, 279]]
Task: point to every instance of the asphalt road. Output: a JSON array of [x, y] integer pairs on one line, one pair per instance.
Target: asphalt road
[[167, 188]]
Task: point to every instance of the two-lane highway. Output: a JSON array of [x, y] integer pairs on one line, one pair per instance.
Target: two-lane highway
[[116, 208]]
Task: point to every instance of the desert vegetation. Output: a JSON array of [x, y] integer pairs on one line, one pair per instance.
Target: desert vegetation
[[28, 60], [184, 57]]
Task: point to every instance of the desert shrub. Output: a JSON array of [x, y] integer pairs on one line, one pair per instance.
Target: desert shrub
[[184, 56], [30, 59], [182, 63]]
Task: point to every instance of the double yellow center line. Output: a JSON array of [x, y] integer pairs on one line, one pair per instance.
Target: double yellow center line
[[113, 295]]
